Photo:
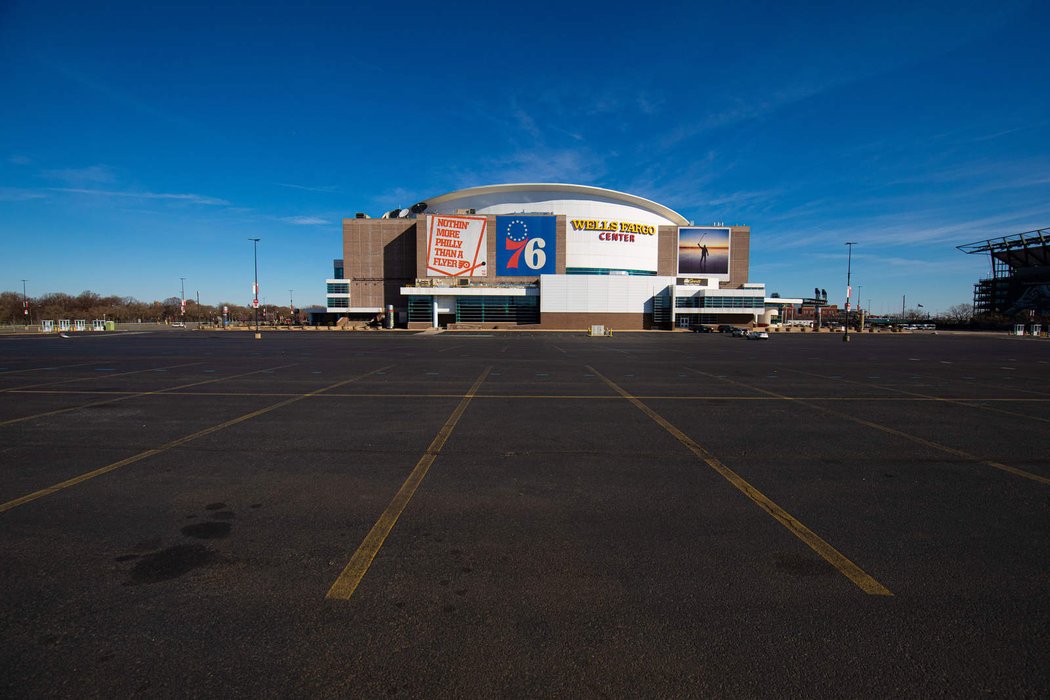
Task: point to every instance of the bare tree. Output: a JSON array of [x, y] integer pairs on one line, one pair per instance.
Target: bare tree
[[958, 314]]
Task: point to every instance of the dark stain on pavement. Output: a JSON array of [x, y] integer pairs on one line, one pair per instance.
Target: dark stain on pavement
[[215, 506], [207, 531], [170, 563]]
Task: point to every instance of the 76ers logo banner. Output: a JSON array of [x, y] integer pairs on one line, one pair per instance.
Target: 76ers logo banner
[[526, 246]]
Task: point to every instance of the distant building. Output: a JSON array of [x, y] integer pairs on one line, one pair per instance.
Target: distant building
[[1020, 279], [546, 255]]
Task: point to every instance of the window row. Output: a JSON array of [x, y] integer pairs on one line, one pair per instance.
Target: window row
[[710, 302]]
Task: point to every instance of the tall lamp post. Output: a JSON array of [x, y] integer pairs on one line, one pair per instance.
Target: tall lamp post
[[255, 287], [182, 305], [849, 270]]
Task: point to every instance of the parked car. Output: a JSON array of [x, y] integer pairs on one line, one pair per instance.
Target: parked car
[[700, 328], [758, 335], [725, 328], [740, 332], [178, 324]]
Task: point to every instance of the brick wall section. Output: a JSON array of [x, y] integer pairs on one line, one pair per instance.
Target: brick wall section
[[667, 257], [583, 321], [739, 257], [378, 258]]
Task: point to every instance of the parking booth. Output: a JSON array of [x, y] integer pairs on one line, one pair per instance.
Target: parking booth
[[80, 325], [1037, 329], [98, 325], [1018, 329], [47, 326], [63, 324]]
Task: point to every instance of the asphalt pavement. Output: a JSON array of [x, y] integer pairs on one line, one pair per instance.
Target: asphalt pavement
[[202, 514]]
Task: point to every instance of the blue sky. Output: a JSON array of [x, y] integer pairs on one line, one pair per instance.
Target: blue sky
[[141, 142]]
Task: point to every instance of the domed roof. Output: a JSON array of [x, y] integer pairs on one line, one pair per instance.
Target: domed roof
[[556, 198]]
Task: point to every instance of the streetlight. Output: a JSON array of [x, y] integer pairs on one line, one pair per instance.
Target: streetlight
[[255, 287], [860, 308], [182, 306], [25, 305], [849, 269]]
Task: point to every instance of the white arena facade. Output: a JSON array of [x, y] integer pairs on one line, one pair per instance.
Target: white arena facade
[[546, 256]]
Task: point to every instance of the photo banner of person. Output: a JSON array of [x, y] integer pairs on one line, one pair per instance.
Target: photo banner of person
[[703, 251], [456, 246], [526, 245]]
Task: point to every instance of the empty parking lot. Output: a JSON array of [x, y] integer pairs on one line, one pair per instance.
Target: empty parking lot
[[524, 514]]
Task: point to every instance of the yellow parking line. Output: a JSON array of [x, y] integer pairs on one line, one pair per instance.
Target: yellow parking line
[[357, 567], [959, 402], [125, 397], [886, 429], [40, 369], [107, 375], [544, 397], [846, 567], [174, 443]]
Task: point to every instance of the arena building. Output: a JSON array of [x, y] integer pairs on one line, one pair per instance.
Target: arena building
[[1020, 279], [551, 256]]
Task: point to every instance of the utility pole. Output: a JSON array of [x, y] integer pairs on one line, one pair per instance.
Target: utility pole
[[849, 269], [255, 287], [291, 306], [25, 305], [860, 308], [182, 306]]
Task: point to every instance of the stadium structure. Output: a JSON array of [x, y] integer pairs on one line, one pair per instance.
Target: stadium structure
[[1020, 280], [549, 256]]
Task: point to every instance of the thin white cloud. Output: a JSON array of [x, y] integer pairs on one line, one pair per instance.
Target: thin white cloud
[[187, 197], [81, 177], [538, 165], [308, 188], [17, 194], [305, 220]]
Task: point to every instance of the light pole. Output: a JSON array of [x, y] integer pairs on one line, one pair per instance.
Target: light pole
[[182, 306], [849, 270], [291, 306], [25, 305], [860, 308], [255, 287]]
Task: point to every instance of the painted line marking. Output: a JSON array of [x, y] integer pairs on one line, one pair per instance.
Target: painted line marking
[[968, 403], [545, 397], [893, 431], [355, 570], [125, 397], [831, 555], [48, 369], [4, 507], [84, 379]]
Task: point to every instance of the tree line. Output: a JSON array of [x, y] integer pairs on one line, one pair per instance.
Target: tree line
[[89, 306]]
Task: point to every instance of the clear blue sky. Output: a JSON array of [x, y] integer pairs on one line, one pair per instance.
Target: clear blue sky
[[144, 142]]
